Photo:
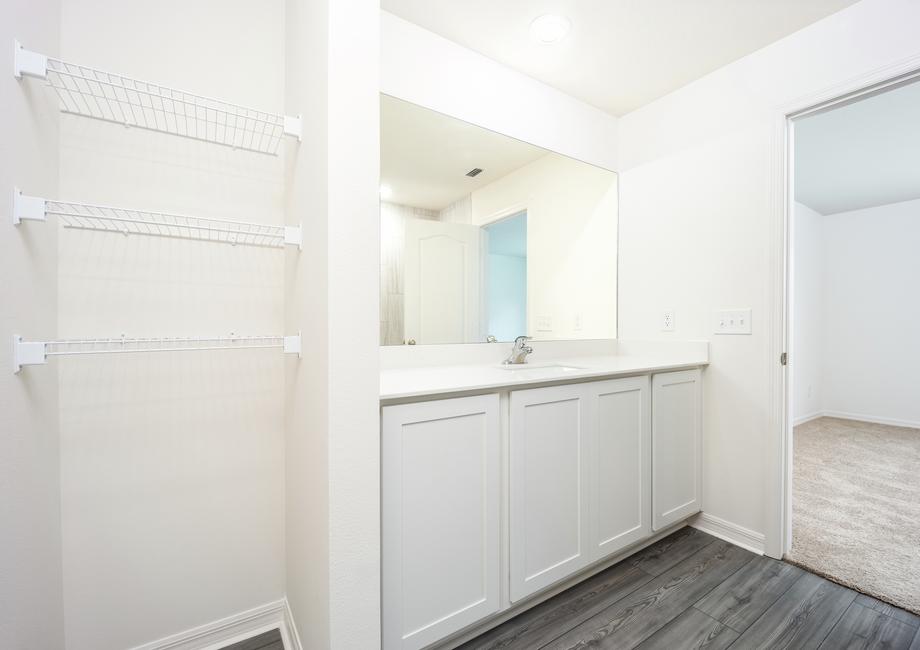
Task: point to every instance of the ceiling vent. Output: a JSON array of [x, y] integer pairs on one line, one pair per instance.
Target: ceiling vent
[[474, 172]]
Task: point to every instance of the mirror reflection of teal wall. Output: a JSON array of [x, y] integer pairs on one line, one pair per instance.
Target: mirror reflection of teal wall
[[506, 285]]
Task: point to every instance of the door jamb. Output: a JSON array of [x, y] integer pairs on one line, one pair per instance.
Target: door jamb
[[778, 529]]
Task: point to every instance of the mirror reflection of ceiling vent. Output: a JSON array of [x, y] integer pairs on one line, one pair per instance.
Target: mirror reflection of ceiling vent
[[474, 172]]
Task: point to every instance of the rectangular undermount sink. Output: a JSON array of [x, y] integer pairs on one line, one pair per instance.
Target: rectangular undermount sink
[[541, 369]]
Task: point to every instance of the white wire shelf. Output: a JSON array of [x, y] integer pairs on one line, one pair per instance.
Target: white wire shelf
[[27, 353], [128, 221], [102, 95]]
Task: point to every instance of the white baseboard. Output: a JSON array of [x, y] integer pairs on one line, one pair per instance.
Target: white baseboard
[[289, 630], [802, 419], [858, 417], [737, 535], [871, 418], [238, 627]]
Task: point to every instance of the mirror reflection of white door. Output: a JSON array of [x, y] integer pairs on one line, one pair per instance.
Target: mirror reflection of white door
[[442, 276]]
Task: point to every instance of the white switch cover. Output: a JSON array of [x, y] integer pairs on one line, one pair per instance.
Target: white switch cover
[[733, 321], [667, 321], [544, 323]]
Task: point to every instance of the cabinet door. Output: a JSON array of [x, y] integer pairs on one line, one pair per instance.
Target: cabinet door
[[676, 425], [440, 504], [548, 486], [621, 463]]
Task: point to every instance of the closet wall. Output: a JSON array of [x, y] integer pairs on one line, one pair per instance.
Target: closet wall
[[855, 336], [31, 603], [809, 322], [172, 464], [163, 480]]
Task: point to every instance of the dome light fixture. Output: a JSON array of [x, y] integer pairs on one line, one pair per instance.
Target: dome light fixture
[[549, 28]]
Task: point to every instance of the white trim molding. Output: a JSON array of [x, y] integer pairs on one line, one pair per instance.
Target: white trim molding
[[802, 419], [237, 627], [289, 633], [779, 467], [737, 535], [858, 417]]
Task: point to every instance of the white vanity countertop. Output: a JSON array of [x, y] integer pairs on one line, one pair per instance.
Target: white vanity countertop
[[403, 383]]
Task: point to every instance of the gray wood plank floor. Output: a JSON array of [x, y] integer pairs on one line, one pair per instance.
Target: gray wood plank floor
[[691, 590], [270, 640]]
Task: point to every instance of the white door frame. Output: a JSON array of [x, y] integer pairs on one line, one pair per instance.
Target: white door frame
[[778, 529]]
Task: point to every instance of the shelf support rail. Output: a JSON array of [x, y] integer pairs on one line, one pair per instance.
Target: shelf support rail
[[30, 353]]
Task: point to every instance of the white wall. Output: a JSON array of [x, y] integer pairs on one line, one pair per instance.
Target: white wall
[[426, 69], [172, 465], [861, 327], [306, 428], [31, 600], [571, 243], [871, 351], [699, 199], [332, 289], [354, 251], [809, 322]]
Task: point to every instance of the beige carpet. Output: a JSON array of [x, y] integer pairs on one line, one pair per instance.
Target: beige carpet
[[856, 507]]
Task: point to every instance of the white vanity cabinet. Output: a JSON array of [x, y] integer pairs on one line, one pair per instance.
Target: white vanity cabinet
[[441, 503], [580, 483], [676, 447], [491, 499]]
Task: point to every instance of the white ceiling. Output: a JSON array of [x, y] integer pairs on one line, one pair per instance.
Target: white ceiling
[[620, 54], [861, 155], [424, 155]]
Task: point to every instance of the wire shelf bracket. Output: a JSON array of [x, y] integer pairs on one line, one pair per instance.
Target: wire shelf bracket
[[31, 353], [112, 97], [25, 207], [129, 221]]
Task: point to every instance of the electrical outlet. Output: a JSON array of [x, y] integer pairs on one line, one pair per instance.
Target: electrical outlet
[[579, 322], [733, 321], [667, 321]]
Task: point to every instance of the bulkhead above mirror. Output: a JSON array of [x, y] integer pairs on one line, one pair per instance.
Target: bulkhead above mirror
[[485, 238]]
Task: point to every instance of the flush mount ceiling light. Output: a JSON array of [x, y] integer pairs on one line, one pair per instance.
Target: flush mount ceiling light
[[386, 191], [549, 28]]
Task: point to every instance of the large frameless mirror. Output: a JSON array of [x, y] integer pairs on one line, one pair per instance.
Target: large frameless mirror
[[485, 238]]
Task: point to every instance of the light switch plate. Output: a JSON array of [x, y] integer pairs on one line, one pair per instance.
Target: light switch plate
[[544, 323], [733, 321]]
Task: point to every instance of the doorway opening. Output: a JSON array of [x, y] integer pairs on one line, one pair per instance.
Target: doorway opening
[[506, 277], [852, 397]]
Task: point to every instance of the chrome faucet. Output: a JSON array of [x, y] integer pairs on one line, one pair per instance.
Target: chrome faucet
[[520, 351]]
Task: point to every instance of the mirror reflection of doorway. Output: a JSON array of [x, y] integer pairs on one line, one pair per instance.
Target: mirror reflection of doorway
[[442, 262], [506, 277]]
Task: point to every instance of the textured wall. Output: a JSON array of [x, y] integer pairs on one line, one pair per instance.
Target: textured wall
[[31, 601], [172, 464]]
